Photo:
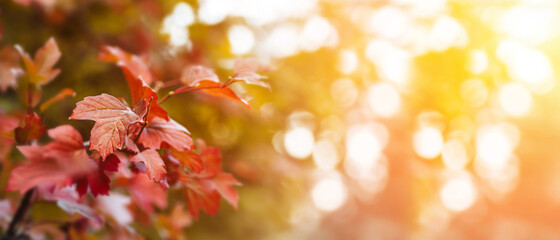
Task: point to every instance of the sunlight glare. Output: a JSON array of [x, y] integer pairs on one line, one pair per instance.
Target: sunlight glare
[[454, 154], [299, 142], [392, 63], [241, 39], [459, 193], [478, 61], [515, 99], [348, 61], [325, 155], [329, 193], [474, 92], [428, 142], [317, 32], [493, 147], [384, 99]]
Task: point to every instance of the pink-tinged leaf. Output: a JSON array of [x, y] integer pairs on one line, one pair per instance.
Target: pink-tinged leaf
[[179, 218], [40, 69], [160, 131], [67, 136], [197, 73], [112, 119], [245, 70], [56, 163], [7, 123], [59, 96], [133, 63], [45, 59], [130, 145], [199, 197], [224, 182], [219, 90], [40, 170], [147, 193], [30, 129], [155, 168], [9, 68]]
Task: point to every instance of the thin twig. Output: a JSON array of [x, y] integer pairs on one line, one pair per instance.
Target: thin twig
[[20, 213], [144, 123]]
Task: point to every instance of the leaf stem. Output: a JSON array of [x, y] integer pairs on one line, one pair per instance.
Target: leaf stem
[[144, 123], [20, 213]]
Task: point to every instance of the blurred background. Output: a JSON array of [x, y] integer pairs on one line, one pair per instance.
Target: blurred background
[[387, 119]]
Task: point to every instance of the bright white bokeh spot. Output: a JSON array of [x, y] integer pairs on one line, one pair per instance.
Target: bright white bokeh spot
[[389, 22], [530, 24], [527, 65], [282, 41], [384, 99], [428, 142], [115, 205], [478, 61], [344, 92], [515, 99], [494, 147], [325, 155], [392, 63], [316, 32], [348, 61], [213, 11], [241, 39], [474, 92], [458, 194], [454, 154], [175, 25], [329, 193], [254, 12], [445, 33], [364, 144], [299, 142]]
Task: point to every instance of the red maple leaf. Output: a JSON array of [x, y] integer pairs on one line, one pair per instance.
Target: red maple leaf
[[159, 131], [97, 180], [147, 193], [40, 68], [30, 129], [112, 120], [203, 189], [141, 91], [214, 88], [155, 167], [133, 63], [188, 159], [197, 73], [53, 164]]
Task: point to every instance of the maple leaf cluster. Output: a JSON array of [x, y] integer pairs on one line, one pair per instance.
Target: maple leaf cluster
[[136, 147]]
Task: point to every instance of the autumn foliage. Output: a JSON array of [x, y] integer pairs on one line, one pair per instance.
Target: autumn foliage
[[135, 149]]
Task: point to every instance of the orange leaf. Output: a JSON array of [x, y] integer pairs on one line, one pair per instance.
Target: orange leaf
[[61, 95]]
